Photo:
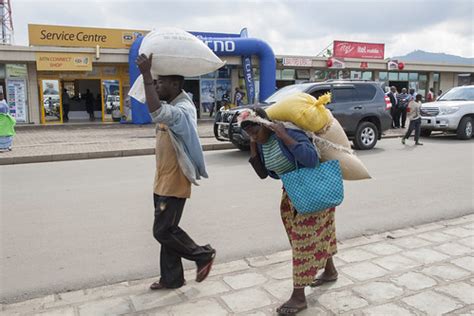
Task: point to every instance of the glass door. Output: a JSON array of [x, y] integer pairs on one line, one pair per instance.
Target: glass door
[[111, 100], [51, 107]]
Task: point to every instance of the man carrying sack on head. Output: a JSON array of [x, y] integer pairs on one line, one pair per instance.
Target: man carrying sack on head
[[179, 163]]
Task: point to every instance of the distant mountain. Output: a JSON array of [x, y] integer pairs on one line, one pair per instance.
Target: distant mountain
[[422, 56]]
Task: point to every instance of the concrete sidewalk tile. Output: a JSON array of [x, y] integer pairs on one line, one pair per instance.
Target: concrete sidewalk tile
[[469, 225], [411, 242], [459, 232], [425, 255], [246, 300], [414, 281], [389, 309], [245, 280], [378, 291], [427, 227], [281, 271], [313, 311], [465, 263], [468, 242], [281, 289], [355, 255], [211, 288], [396, 263], [456, 221], [462, 291], [202, 307], [342, 281], [233, 266], [68, 298], [359, 241], [399, 233], [364, 271], [338, 262], [453, 249], [340, 302], [446, 272], [382, 248], [282, 256], [256, 313], [31, 305], [435, 236], [432, 303], [155, 299], [65, 311], [113, 306], [120, 289]]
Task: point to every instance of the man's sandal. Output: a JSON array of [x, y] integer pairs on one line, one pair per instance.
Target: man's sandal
[[322, 280], [159, 286], [203, 272]]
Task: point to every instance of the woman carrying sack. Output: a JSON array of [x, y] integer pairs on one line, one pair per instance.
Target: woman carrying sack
[[277, 151]]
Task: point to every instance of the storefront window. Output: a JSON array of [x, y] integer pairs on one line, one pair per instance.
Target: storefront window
[[393, 76], [209, 75], [278, 74], [383, 76], [356, 74], [423, 78], [2, 71], [223, 72], [367, 75], [302, 74], [436, 77], [413, 76], [288, 74], [403, 76]]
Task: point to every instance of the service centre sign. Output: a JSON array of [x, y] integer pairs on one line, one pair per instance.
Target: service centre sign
[[345, 49], [69, 36]]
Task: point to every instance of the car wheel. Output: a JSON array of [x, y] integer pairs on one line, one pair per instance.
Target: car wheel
[[425, 133], [242, 147], [366, 136], [465, 128]]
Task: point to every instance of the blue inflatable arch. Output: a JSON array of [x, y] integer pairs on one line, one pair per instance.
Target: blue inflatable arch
[[222, 46]]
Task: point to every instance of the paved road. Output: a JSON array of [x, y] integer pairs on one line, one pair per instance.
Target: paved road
[[68, 225]]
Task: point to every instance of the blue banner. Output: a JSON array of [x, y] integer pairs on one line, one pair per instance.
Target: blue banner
[[248, 72]]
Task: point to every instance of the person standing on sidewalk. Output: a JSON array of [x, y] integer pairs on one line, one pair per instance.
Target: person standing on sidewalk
[[276, 150], [7, 125], [415, 120], [403, 100], [179, 162], [393, 110], [66, 103]]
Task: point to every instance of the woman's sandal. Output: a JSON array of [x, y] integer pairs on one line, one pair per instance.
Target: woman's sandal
[[290, 310], [322, 280]]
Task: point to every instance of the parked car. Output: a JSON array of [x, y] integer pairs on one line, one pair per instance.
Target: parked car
[[361, 107], [453, 112]]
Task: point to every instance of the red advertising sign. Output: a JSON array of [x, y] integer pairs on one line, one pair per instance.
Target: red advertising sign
[[358, 50]]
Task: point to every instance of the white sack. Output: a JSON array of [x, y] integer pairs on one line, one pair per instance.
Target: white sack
[[175, 52]]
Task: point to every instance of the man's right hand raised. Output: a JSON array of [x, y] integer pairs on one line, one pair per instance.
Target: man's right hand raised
[[144, 63]]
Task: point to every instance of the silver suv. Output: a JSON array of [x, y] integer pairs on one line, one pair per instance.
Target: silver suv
[[452, 112]]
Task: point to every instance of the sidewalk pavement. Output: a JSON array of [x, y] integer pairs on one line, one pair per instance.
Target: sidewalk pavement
[[91, 141], [422, 270]]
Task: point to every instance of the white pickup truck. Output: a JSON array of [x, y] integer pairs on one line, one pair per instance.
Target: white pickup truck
[[452, 112]]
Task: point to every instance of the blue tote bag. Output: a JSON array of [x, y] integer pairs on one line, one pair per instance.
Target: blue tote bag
[[315, 189]]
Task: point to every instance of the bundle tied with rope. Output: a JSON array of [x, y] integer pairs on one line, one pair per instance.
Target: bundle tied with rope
[[327, 134]]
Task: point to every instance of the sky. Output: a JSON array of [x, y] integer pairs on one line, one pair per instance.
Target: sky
[[295, 27]]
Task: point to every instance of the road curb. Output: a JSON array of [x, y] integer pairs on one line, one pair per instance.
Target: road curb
[[98, 155]]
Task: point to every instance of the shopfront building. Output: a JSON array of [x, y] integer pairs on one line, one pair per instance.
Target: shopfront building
[[89, 65]]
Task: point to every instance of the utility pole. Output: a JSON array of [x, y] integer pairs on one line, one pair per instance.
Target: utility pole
[[6, 30]]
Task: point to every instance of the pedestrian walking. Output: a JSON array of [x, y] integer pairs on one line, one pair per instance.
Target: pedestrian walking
[[402, 99], [66, 105], [179, 163], [276, 150], [415, 120], [7, 125], [393, 110]]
